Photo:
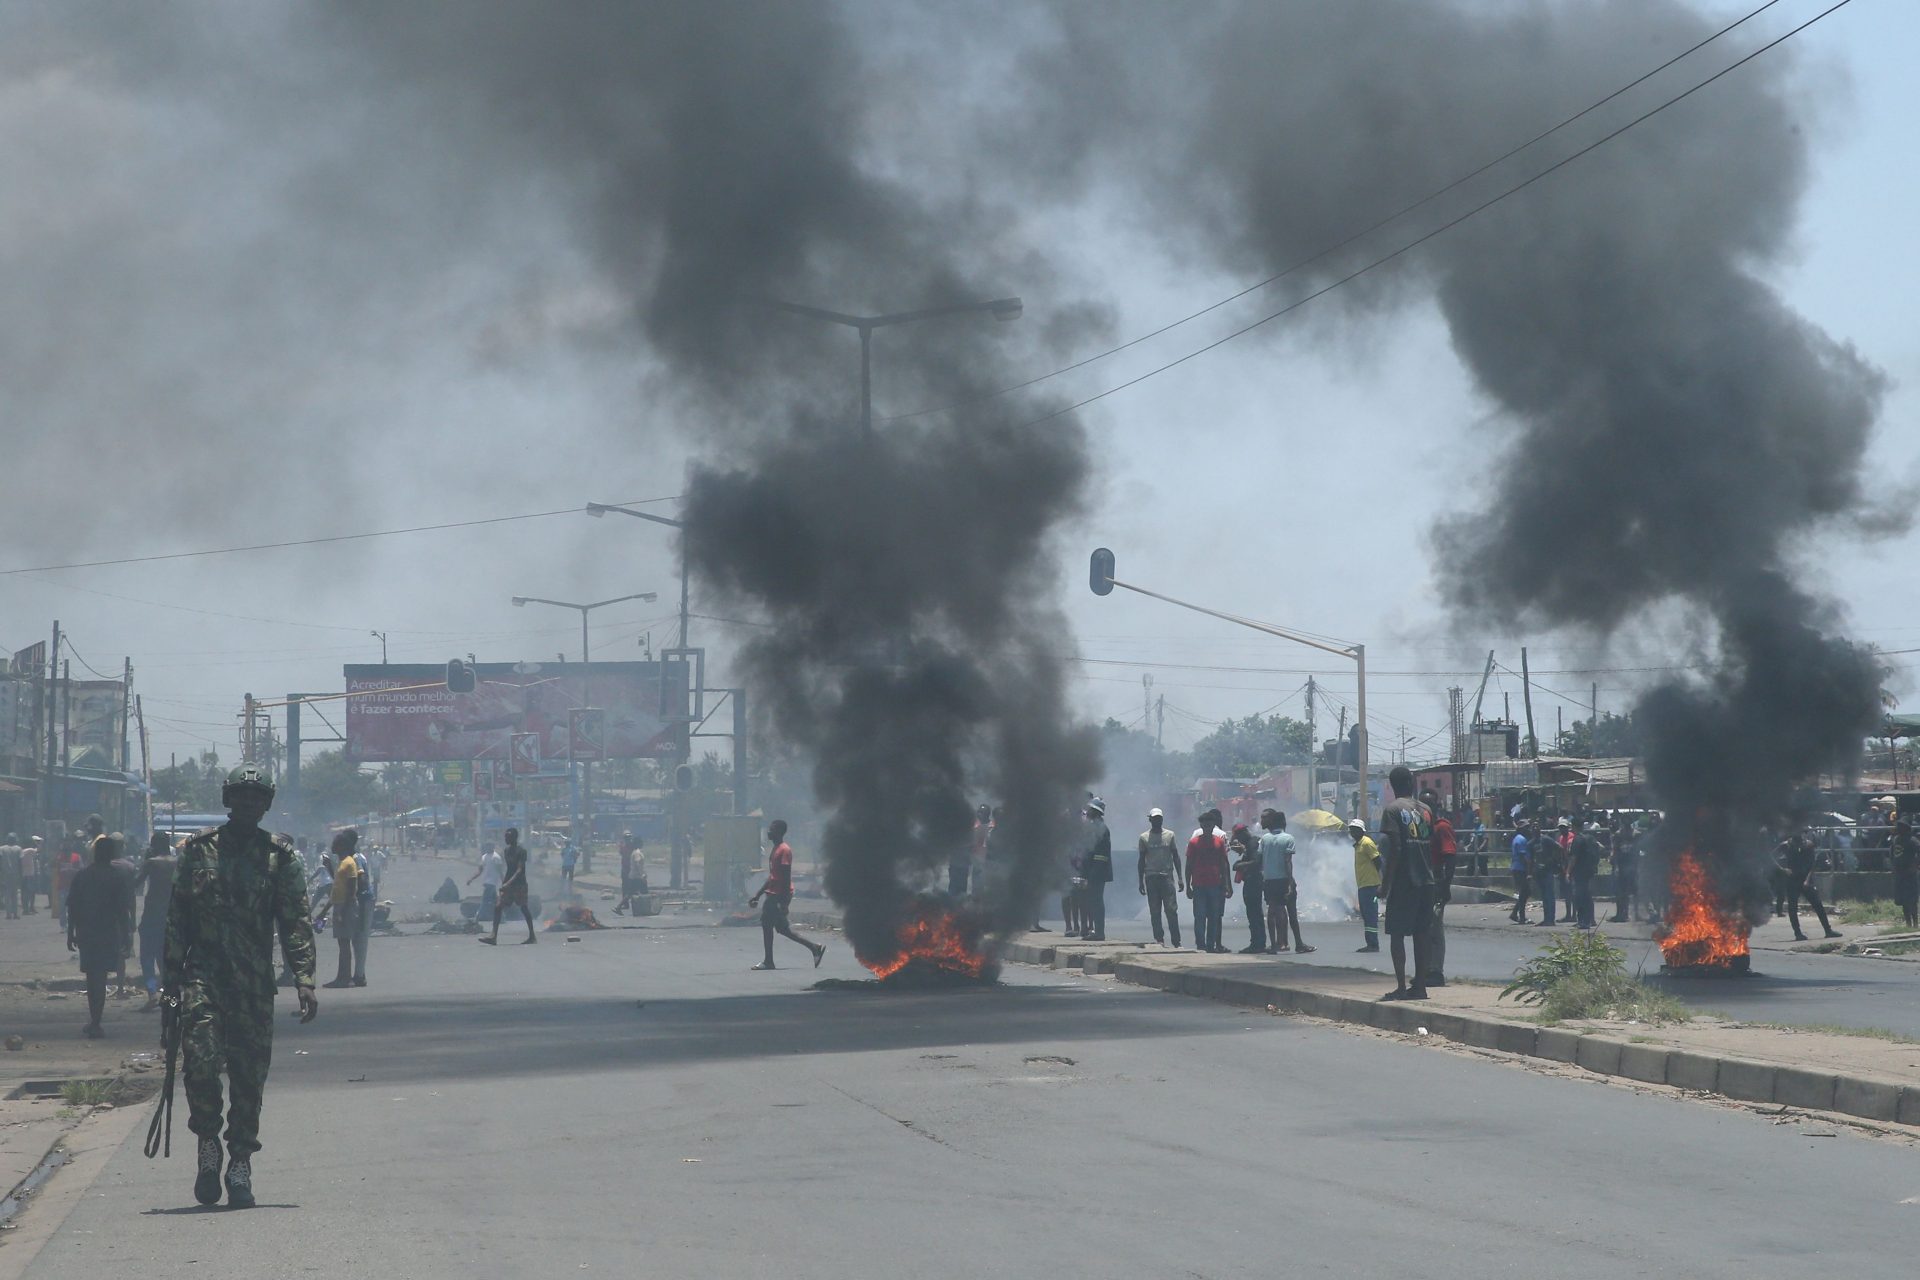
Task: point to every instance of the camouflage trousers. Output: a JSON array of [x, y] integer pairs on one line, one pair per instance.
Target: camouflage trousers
[[224, 1031]]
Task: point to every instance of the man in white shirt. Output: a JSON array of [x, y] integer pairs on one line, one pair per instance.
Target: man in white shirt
[[492, 870]]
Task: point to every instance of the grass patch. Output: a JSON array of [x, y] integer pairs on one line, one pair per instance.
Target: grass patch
[[86, 1093], [1582, 975], [1878, 911]]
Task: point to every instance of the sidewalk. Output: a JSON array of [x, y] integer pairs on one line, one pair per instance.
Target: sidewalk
[[1871, 1077]]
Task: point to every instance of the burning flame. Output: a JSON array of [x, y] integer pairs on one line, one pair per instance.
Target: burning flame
[[933, 934], [1699, 931]]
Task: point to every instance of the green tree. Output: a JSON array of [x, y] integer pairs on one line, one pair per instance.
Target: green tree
[[193, 785], [1251, 746], [1616, 736], [335, 788]]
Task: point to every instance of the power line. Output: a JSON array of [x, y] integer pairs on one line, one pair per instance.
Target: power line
[[1331, 249], [66, 642], [311, 542], [1444, 227]]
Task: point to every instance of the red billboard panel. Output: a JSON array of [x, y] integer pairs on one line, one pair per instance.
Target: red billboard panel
[[389, 720]]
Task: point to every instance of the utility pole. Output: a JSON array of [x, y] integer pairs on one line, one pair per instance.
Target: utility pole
[[146, 766], [66, 730], [381, 636], [1313, 753], [1593, 735], [246, 734], [1146, 684], [1160, 727], [53, 693], [1340, 756], [126, 715], [1526, 695], [1456, 731]]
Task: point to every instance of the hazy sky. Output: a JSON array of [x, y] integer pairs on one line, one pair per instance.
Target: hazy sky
[[1289, 475]]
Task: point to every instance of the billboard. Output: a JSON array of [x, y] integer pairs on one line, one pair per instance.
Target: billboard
[[388, 720]]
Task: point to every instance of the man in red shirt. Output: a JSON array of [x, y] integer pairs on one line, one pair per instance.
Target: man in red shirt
[[1207, 881], [778, 892]]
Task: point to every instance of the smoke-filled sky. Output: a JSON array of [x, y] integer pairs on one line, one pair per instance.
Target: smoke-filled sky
[[283, 274]]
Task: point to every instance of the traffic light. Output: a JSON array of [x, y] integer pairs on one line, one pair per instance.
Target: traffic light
[[683, 777], [1100, 572], [459, 676]]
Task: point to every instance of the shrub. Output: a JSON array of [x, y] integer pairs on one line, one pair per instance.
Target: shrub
[[1582, 975]]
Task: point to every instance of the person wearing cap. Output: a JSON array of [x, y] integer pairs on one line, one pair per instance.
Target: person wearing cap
[[1161, 880], [1366, 879], [1096, 868]]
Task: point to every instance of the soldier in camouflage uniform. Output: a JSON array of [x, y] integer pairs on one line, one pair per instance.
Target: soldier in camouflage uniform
[[234, 884]]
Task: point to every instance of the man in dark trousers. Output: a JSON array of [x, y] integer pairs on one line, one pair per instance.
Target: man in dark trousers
[[1161, 879], [1277, 851], [235, 886], [1583, 864], [99, 911], [1445, 850], [1207, 881], [513, 889], [1544, 852], [1096, 867], [1406, 874], [778, 895], [1800, 854], [1246, 869]]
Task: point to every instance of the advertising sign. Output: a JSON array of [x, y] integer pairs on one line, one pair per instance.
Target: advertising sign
[[19, 716], [430, 724], [587, 734], [524, 751], [30, 661], [93, 712], [483, 780], [452, 773]]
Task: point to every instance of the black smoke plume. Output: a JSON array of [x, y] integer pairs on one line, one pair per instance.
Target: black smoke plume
[[1676, 429]]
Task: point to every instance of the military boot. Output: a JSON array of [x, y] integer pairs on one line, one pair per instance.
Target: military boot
[[240, 1182], [206, 1186]]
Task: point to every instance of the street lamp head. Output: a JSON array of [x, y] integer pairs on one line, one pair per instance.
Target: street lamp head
[[519, 602], [596, 509], [649, 596], [1006, 308]]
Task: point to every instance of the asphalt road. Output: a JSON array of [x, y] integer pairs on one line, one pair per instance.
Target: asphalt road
[[1798, 989], [638, 1102]]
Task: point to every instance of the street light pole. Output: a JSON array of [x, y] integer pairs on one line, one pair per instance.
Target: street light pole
[[583, 816], [998, 308], [1103, 582]]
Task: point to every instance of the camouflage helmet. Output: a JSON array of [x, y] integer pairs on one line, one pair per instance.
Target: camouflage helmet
[[246, 775]]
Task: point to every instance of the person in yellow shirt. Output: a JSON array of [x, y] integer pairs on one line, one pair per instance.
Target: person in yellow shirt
[[1366, 877], [344, 902]]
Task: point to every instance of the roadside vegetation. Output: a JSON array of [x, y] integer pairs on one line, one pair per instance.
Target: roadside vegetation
[[1582, 975]]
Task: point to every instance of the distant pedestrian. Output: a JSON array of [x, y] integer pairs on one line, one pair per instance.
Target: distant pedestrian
[[513, 888], [1161, 879], [344, 903], [633, 871], [156, 878], [1207, 881], [1520, 867], [777, 893], [10, 876], [1544, 851], [1583, 864], [962, 859], [1096, 868], [1905, 855], [1247, 870], [977, 847], [33, 866], [1277, 852], [1406, 831], [1564, 834], [1446, 850], [491, 871], [1625, 862], [1366, 880], [569, 859], [1801, 855], [98, 909]]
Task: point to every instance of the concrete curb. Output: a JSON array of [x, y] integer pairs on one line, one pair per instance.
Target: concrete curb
[[1740, 1079]]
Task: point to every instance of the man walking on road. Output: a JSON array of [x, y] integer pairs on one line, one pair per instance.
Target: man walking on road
[[235, 886], [778, 893], [1406, 829], [1161, 881], [1277, 850], [344, 903], [513, 889], [1366, 879], [156, 874], [99, 908], [1800, 857], [1207, 881], [491, 871]]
